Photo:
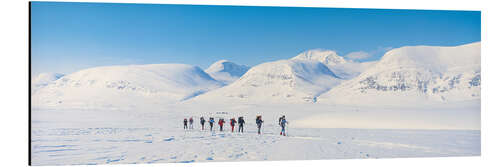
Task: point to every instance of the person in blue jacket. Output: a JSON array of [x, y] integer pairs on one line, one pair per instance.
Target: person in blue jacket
[[259, 122], [283, 124], [211, 121]]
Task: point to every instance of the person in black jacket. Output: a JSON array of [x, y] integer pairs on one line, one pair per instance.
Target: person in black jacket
[[259, 122], [202, 121], [240, 123], [185, 123]]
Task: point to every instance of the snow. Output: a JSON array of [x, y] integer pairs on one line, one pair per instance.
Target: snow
[[125, 86], [278, 81], [155, 135], [417, 101], [43, 79], [345, 69], [226, 71], [415, 75], [327, 57], [351, 69]]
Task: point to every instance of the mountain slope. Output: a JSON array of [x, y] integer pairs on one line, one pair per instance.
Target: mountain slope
[[226, 71], [123, 86], [413, 75], [345, 69], [280, 81], [350, 69], [43, 79], [327, 57]]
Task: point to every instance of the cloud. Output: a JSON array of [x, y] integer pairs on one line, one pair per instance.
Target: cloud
[[359, 55]]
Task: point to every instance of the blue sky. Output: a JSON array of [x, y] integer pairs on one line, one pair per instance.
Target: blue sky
[[66, 37]]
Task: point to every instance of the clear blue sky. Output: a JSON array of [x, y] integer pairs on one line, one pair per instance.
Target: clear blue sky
[[67, 37]]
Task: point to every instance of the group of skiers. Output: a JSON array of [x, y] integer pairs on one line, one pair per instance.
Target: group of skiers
[[281, 121]]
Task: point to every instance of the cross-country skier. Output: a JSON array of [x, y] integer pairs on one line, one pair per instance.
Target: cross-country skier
[[185, 123], [211, 121], [259, 122], [202, 121], [191, 123], [240, 123], [232, 122], [283, 124], [279, 120], [221, 123]]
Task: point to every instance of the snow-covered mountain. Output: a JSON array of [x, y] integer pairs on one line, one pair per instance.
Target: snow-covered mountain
[[126, 86], [351, 69], [226, 71], [327, 57], [404, 76], [279, 81], [413, 75], [345, 69], [43, 79]]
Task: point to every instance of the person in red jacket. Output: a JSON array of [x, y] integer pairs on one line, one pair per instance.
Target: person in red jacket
[[221, 123], [232, 122]]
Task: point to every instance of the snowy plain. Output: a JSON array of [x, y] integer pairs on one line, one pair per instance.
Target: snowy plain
[[81, 137]]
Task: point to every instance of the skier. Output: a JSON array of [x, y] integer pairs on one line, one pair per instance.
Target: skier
[[202, 121], [259, 122], [185, 123], [232, 123], [191, 123], [279, 120], [240, 123], [211, 121], [283, 124], [221, 123]]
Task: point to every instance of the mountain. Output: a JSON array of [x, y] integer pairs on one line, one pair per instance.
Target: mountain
[[43, 79], [226, 71], [113, 86], [327, 57], [279, 81], [414, 75], [345, 69]]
